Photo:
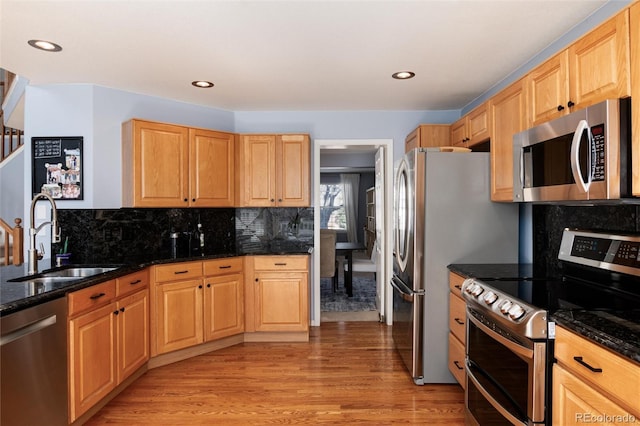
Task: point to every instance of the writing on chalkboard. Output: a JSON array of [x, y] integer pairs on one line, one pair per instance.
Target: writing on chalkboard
[[47, 148]]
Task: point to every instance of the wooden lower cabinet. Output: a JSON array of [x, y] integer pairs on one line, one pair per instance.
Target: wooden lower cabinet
[[107, 343], [592, 384], [179, 315], [92, 358], [223, 306], [277, 293], [457, 332]]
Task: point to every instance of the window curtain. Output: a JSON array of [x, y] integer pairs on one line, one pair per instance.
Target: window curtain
[[351, 184]]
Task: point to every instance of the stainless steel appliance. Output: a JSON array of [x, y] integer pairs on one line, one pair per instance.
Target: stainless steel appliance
[[442, 215], [509, 335], [33, 363], [581, 156]]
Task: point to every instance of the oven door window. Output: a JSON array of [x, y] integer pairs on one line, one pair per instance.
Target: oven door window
[[502, 373]]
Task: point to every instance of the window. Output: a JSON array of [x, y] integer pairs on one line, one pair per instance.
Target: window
[[332, 214]]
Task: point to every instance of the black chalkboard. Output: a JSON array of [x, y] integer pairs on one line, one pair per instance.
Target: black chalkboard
[[57, 167]]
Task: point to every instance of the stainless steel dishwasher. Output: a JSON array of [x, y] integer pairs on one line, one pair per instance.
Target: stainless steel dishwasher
[[33, 365]]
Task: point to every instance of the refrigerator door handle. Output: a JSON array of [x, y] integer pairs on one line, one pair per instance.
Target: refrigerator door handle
[[404, 289]]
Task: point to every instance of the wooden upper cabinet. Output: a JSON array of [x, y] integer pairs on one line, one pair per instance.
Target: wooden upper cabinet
[[594, 68], [428, 135], [212, 168], [508, 112], [635, 96], [599, 63], [155, 164], [274, 171], [472, 128], [166, 165]]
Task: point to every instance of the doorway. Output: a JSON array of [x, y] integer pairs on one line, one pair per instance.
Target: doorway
[[382, 151]]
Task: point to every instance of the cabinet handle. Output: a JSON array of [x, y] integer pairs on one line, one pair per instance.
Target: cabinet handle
[[280, 264], [458, 287], [135, 282], [224, 267], [458, 321], [560, 107], [581, 362], [458, 365], [570, 104], [181, 272], [97, 296]]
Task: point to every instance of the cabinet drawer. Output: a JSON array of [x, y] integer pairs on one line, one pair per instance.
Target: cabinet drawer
[[455, 283], [91, 297], [457, 317], [456, 359], [132, 282], [618, 377], [178, 271], [229, 265], [280, 263]]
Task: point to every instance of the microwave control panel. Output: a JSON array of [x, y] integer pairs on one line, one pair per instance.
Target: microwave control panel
[[598, 154]]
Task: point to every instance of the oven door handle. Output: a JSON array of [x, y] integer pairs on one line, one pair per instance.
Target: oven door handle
[[512, 346], [575, 155], [513, 419]]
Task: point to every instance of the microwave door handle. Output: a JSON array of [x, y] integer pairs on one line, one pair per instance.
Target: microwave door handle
[[575, 155], [521, 168]]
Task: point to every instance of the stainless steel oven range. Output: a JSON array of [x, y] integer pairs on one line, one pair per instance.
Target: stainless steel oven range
[[509, 333]]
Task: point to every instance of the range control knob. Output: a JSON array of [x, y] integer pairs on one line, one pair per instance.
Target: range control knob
[[477, 290], [516, 312], [470, 287], [505, 306], [490, 298]]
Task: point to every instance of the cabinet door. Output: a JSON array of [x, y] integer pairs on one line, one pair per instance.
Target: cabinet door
[[459, 133], [508, 117], [576, 403], [223, 306], [159, 171], [478, 125], [211, 168], [292, 171], [133, 333], [92, 360], [281, 301], [179, 315], [635, 97], [456, 360], [599, 63], [258, 174], [412, 140], [549, 89]]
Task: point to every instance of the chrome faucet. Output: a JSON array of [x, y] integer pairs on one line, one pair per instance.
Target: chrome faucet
[[35, 255]]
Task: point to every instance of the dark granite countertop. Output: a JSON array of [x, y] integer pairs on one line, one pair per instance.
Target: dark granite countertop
[[16, 296], [618, 331]]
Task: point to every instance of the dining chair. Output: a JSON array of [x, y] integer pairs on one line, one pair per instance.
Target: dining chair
[[328, 263]]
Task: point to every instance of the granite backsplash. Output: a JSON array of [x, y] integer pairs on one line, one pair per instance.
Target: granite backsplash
[[550, 220], [142, 235]]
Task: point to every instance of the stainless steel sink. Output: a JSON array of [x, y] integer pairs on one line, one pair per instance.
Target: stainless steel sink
[[78, 272]]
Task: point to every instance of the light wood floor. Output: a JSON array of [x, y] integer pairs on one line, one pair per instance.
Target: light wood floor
[[348, 373]]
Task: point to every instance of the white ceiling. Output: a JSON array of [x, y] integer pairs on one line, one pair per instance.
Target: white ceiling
[[288, 54]]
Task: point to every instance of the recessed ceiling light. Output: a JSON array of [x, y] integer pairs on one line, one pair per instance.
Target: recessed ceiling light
[[202, 84], [403, 75], [45, 45]]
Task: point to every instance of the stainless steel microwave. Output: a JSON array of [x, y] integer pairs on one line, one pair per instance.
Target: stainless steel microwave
[[580, 156]]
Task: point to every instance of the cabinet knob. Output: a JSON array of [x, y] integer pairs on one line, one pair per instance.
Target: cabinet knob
[[200, 286], [122, 309], [279, 200], [193, 200], [186, 200], [208, 285], [570, 104], [272, 200], [256, 279], [115, 312], [560, 107]]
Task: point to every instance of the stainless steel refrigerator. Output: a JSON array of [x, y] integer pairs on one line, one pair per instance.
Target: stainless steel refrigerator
[[442, 215]]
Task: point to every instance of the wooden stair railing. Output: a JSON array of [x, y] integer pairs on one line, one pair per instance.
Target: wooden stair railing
[[10, 139], [13, 252]]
